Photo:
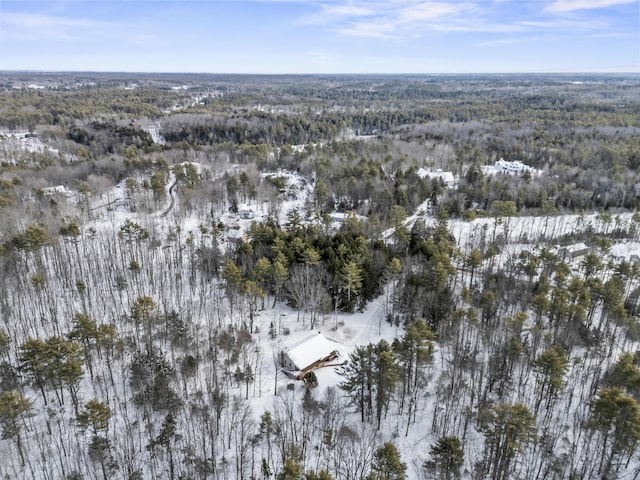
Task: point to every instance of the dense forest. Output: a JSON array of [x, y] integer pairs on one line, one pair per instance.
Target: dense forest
[[470, 245]]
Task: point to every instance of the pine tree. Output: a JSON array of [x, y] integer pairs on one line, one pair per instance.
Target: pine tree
[[472, 262], [507, 429], [626, 373], [52, 363], [358, 383], [252, 291], [95, 415], [261, 273], [370, 377], [233, 280], [322, 475], [617, 416], [143, 312], [165, 439], [321, 193], [447, 458], [551, 365], [70, 230], [131, 232], [292, 470], [13, 408], [33, 362], [387, 464], [279, 274], [351, 280], [34, 238], [385, 375], [85, 330], [415, 352]]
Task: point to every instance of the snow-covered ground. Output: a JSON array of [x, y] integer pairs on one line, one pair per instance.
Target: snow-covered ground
[[167, 274], [12, 144]]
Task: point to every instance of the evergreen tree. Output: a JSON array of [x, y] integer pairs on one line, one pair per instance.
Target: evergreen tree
[[131, 232], [13, 408], [292, 470], [85, 331], [52, 363], [447, 458], [358, 382], [415, 352], [233, 280], [279, 274], [95, 415], [370, 377], [351, 280], [322, 475], [551, 365], [143, 312], [165, 439], [626, 374], [617, 416], [252, 291], [34, 238], [387, 464], [507, 429], [261, 273], [385, 376]]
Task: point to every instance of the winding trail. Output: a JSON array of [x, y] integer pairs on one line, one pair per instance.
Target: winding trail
[[105, 205], [172, 203]]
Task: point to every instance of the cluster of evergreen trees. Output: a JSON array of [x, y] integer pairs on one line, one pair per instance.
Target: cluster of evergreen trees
[[314, 270]]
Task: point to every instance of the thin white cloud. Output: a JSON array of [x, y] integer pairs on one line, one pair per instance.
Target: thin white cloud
[[432, 10], [332, 13], [476, 26], [406, 19], [559, 6], [564, 24], [40, 27], [372, 29], [508, 41], [394, 18], [615, 35], [347, 11], [34, 21], [47, 28]]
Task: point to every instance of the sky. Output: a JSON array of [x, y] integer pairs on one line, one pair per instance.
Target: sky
[[321, 36]]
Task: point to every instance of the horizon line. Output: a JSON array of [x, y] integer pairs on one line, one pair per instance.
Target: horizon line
[[158, 72]]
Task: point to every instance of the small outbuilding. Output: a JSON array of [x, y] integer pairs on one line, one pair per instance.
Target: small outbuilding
[[571, 252], [308, 354], [246, 214], [447, 177], [236, 236]]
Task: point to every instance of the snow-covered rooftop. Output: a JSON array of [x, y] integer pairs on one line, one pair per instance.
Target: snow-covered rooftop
[[309, 350], [512, 168], [576, 247], [447, 177], [58, 189]]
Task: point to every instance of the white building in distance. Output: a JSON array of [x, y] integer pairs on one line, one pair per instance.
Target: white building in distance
[[447, 177], [510, 168]]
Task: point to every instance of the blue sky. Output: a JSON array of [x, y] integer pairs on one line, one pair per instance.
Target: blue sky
[[321, 36]]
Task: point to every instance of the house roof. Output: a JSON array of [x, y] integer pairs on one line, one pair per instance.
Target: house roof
[[447, 177], [576, 247], [309, 350]]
